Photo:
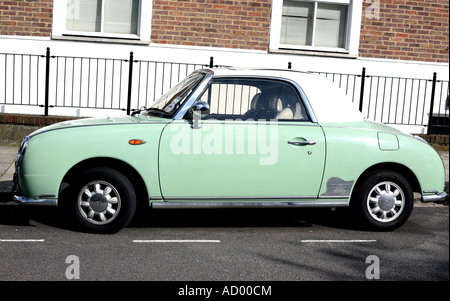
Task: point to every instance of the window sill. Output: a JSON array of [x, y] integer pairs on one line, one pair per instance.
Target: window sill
[[315, 53], [100, 40]]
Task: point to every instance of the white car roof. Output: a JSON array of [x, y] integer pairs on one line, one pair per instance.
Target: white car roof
[[328, 102]]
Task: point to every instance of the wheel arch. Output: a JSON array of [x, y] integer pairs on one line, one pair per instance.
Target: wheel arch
[[390, 166], [127, 170]]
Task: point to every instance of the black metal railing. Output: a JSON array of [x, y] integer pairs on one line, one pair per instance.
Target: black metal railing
[[398, 100], [50, 81]]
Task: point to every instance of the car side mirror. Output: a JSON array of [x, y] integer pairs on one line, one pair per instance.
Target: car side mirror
[[198, 111]]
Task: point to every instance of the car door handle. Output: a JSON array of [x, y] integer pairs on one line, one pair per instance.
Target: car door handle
[[300, 143]]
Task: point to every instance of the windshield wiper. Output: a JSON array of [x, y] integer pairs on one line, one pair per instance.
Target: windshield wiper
[[157, 110], [137, 111]]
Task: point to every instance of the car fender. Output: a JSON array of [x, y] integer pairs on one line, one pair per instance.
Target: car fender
[[353, 152], [50, 155]]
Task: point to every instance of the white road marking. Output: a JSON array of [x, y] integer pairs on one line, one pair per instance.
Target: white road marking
[[174, 240], [22, 240], [339, 240]]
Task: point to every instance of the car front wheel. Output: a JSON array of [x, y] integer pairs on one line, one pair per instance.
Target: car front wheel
[[102, 200], [385, 201]]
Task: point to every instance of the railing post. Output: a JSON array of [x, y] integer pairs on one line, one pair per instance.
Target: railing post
[[433, 92], [211, 62], [361, 96], [130, 82], [289, 65], [47, 80]]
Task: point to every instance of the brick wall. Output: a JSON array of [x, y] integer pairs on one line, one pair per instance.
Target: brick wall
[[14, 127], [220, 23], [407, 30], [26, 18]]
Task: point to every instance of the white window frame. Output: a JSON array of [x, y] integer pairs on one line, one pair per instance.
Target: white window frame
[[352, 34], [144, 25]]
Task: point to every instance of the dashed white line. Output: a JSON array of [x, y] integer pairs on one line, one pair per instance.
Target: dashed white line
[[210, 240], [176, 240], [338, 240], [22, 240]]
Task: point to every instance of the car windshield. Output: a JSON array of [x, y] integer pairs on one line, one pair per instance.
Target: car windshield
[[168, 104]]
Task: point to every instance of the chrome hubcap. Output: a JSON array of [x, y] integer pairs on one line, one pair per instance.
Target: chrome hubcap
[[99, 202], [386, 201]]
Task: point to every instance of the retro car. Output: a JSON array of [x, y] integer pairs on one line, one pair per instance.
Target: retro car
[[228, 137]]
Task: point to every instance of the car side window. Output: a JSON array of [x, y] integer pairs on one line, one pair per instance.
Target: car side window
[[253, 99]]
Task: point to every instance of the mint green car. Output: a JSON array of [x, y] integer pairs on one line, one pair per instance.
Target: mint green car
[[230, 138]]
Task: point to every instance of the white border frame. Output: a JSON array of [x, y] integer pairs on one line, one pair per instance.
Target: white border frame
[[353, 29], [144, 25]]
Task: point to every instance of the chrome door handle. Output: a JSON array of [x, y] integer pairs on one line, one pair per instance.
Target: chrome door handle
[[300, 143]]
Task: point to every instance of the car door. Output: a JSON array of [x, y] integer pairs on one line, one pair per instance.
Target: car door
[[256, 143]]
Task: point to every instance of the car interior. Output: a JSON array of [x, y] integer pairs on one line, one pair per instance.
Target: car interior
[[262, 100]]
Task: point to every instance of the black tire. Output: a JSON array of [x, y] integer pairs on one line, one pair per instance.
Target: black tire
[[384, 201], [102, 200]]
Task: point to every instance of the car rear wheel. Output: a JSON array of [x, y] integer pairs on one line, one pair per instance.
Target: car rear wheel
[[102, 200], [384, 201]]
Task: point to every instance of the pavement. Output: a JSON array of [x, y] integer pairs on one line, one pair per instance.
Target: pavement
[[8, 155]]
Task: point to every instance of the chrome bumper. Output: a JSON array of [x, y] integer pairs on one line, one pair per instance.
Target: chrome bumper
[[437, 197], [41, 201]]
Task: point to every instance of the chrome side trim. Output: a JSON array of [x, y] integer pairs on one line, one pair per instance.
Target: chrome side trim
[[296, 123], [35, 201], [437, 197], [233, 198], [333, 197], [248, 204]]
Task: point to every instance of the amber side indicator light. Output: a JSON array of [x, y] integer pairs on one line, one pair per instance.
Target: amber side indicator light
[[136, 142]]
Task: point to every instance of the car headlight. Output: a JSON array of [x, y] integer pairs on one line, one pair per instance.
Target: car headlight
[[21, 152]]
